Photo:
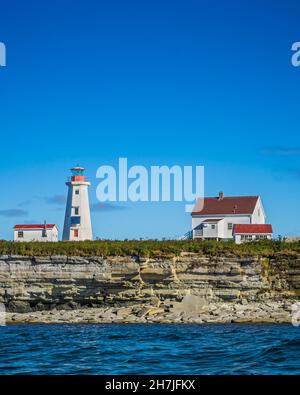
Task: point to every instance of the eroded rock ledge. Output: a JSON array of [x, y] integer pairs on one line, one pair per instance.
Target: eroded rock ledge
[[189, 288]]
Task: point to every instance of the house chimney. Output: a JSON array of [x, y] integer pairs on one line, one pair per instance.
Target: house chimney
[[221, 195]]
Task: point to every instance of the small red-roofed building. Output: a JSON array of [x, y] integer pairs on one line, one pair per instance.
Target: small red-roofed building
[[35, 232], [252, 232]]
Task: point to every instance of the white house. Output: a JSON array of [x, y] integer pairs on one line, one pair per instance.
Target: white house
[[215, 217], [36, 232], [251, 232]]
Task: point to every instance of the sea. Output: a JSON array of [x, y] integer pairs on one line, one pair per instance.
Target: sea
[[231, 349]]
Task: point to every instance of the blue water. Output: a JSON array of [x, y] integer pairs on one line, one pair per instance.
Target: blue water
[[150, 349]]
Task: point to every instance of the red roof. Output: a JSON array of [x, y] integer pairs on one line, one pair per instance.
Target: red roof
[[226, 205], [33, 226], [252, 228]]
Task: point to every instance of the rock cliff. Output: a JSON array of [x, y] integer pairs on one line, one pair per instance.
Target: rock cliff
[[187, 288]]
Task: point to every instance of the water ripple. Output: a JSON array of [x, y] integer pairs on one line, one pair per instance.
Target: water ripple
[[152, 349]]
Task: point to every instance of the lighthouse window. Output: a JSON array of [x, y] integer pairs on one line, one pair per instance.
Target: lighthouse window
[[76, 191], [75, 220], [20, 234], [76, 210]]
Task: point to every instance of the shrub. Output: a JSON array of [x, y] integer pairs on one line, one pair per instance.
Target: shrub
[[151, 248]]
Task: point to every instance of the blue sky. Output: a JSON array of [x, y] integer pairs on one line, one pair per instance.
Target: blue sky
[[159, 82]]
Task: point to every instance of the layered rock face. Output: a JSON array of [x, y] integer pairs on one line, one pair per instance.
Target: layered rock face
[[190, 285]]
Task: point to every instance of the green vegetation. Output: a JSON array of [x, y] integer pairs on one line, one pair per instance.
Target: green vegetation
[[151, 248]]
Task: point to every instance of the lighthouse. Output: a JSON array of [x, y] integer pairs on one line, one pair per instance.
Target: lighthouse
[[77, 218]]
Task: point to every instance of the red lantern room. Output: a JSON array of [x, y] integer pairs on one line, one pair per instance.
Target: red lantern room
[[77, 173]]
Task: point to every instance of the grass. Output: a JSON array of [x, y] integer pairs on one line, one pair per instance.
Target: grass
[[149, 248]]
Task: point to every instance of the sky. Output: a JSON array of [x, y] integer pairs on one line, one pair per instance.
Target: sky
[[160, 82]]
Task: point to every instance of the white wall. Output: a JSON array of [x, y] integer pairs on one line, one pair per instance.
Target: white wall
[[222, 226], [253, 237], [259, 216], [209, 232], [36, 235]]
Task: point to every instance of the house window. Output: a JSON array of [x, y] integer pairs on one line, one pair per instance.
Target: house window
[[229, 225], [20, 234], [247, 237], [76, 191], [262, 237], [213, 226], [76, 210], [75, 232]]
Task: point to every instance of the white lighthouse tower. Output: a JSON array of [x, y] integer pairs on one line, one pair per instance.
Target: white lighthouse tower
[[78, 218]]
